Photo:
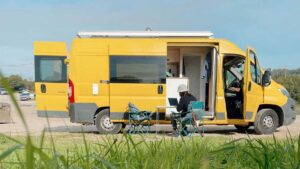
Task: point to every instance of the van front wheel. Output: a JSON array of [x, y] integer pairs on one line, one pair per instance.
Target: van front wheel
[[266, 121], [104, 125]]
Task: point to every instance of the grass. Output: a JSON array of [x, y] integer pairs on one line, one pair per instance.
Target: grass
[[138, 151], [51, 150]]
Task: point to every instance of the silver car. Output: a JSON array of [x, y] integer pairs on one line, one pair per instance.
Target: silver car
[[3, 91], [24, 96]]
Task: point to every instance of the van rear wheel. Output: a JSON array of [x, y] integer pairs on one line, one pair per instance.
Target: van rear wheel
[[266, 121], [104, 125]]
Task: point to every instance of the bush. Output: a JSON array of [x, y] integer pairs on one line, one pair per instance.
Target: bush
[[290, 80]]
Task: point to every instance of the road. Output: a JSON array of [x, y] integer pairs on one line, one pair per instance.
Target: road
[[63, 125]]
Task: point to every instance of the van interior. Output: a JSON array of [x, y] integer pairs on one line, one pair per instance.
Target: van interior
[[233, 75], [193, 63]]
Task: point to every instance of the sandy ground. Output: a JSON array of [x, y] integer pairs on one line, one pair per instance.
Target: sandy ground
[[63, 125]]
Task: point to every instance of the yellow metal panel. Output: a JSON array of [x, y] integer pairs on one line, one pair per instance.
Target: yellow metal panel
[[88, 71], [87, 47], [227, 47], [92, 69], [273, 96], [89, 64], [153, 47], [50, 49], [144, 96], [55, 98], [220, 99]]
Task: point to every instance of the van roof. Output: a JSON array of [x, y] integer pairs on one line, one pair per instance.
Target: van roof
[[142, 34]]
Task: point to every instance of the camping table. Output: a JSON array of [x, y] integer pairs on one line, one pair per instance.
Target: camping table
[[157, 114]]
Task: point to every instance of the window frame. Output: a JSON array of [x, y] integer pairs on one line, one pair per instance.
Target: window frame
[[112, 67], [37, 65]]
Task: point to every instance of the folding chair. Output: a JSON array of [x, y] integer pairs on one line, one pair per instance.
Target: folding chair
[[139, 121]]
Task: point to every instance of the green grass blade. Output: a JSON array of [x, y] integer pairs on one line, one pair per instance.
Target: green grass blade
[[87, 153], [42, 139], [12, 139], [10, 150], [29, 154], [19, 160], [298, 156], [223, 149]]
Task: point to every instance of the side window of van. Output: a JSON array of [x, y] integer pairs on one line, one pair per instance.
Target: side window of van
[[137, 69]]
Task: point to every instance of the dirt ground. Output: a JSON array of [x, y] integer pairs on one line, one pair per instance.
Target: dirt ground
[[63, 125]]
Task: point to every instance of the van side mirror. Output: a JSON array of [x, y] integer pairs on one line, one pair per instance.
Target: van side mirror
[[266, 79]]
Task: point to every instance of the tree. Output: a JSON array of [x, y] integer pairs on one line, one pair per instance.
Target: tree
[[289, 79], [16, 82]]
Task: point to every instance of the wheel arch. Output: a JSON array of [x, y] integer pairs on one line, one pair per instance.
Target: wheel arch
[[98, 111], [277, 109]]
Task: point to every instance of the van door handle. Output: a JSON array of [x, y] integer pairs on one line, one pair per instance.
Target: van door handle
[[249, 86], [43, 88], [104, 81], [160, 89]]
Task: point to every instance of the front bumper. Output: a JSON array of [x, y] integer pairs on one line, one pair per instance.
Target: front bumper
[[289, 112]]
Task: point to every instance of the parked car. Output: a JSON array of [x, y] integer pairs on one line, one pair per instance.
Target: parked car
[[3, 91], [21, 89], [24, 96], [32, 96], [25, 91]]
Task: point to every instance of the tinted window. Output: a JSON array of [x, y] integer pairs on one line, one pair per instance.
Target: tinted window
[[132, 69], [50, 69]]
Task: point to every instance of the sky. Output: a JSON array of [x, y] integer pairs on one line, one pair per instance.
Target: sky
[[270, 27]]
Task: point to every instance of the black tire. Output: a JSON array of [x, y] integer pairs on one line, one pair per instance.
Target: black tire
[[241, 128], [104, 125], [266, 121]]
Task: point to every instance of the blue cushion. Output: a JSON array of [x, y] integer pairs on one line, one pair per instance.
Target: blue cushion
[[197, 105]]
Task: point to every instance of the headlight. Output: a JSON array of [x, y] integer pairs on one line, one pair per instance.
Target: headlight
[[284, 92]]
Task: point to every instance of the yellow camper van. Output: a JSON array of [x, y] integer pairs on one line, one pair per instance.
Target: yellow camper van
[[104, 71]]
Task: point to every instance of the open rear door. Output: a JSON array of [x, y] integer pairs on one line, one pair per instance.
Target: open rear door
[[51, 85]]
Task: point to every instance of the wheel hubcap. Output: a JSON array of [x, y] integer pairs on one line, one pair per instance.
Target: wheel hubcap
[[268, 122], [106, 123]]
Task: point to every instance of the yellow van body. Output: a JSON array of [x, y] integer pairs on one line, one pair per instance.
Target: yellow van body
[[93, 90]]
